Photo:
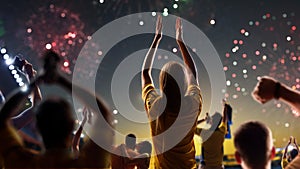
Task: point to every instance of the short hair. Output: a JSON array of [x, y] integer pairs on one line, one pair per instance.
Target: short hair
[[55, 122], [144, 147], [130, 141], [253, 141]]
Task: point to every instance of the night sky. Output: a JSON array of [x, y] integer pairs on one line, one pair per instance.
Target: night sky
[[252, 38]]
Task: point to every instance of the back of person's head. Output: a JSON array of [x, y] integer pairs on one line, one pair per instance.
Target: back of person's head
[[130, 141], [173, 83], [293, 154], [254, 145], [144, 147], [55, 122]]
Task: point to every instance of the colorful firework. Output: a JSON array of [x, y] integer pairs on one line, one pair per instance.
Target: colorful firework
[[58, 29]]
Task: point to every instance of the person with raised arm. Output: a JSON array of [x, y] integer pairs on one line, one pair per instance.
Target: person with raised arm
[[212, 148], [12, 151], [268, 88], [26, 117], [287, 157], [55, 123], [182, 101], [76, 138], [22, 119]]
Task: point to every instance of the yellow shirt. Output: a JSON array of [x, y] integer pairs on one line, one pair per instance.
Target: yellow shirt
[[13, 154], [212, 148], [284, 163], [182, 154]]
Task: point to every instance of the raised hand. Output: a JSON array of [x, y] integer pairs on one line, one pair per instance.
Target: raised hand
[[158, 30], [85, 115], [28, 69], [208, 118], [178, 29], [290, 140], [265, 89]]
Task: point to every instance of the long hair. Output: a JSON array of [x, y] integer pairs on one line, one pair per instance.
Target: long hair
[[173, 84]]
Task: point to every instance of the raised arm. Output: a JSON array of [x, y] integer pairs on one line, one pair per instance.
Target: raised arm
[[226, 110], [27, 115], [148, 61], [15, 103], [188, 60], [296, 145], [206, 118], [76, 138], [268, 88], [101, 131], [286, 148]]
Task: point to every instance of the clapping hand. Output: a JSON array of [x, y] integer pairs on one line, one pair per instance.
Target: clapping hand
[[178, 30], [158, 30]]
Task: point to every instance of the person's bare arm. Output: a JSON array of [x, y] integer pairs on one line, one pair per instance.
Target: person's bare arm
[[188, 60], [204, 119], [296, 145], [101, 129], [76, 139], [286, 148], [148, 61], [268, 88], [25, 117], [15, 103]]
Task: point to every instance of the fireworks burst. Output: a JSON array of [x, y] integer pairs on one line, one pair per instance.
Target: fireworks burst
[[58, 29]]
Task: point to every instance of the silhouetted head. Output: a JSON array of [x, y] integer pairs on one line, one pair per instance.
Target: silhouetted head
[[51, 59], [173, 82], [130, 141], [144, 147], [254, 145], [55, 122]]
